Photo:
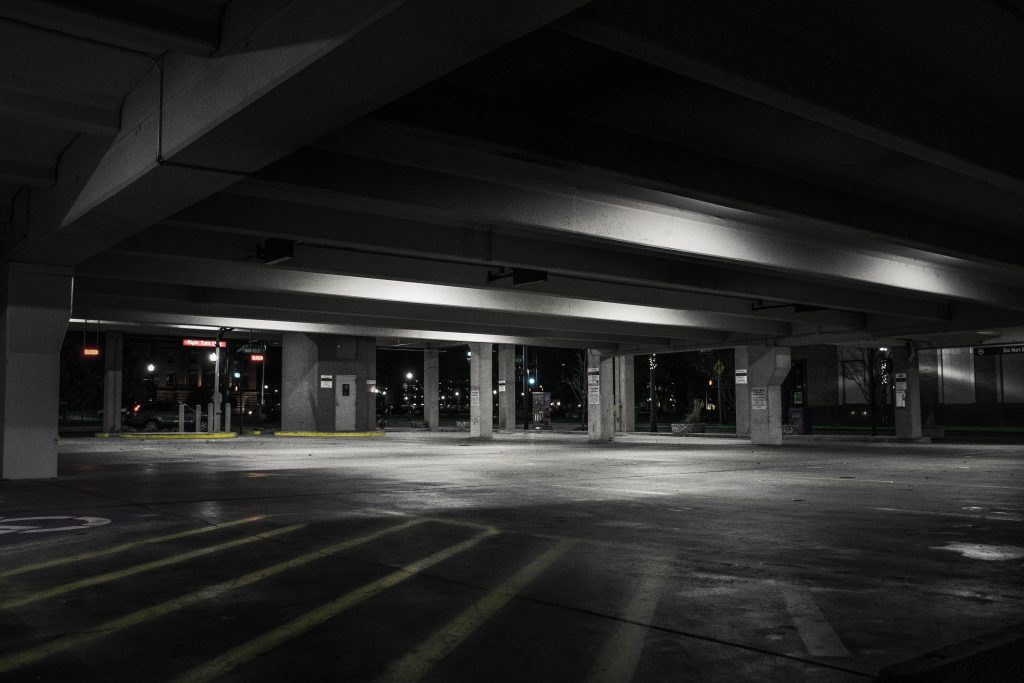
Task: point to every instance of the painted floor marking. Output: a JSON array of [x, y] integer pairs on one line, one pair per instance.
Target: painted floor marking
[[8, 527], [246, 652], [814, 629], [144, 567], [210, 592], [126, 546], [618, 658], [417, 662]]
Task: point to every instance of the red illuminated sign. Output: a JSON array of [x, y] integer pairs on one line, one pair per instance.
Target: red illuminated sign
[[90, 351], [211, 343], [256, 358]]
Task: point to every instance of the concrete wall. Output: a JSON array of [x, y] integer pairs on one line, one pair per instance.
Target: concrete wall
[[956, 367], [822, 368], [305, 405]]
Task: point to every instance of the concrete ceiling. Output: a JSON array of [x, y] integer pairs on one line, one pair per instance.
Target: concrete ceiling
[[688, 174]]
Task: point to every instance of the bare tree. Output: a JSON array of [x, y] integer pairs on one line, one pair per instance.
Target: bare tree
[[868, 369], [574, 376]]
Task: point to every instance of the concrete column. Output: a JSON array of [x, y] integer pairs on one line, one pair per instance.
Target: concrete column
[[759, 401], [35, 304], [431, 379], [113, 380], [481, 412], [908, 415], [742, 379], [507, 387], [299, 382], [600, 396], [625, 402]]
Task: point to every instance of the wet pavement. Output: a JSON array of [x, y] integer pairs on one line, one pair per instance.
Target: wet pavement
[[535, 557]]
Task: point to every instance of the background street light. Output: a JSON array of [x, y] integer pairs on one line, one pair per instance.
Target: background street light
[[150, 368]]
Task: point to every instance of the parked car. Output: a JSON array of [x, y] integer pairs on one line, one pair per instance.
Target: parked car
[[161, 415]]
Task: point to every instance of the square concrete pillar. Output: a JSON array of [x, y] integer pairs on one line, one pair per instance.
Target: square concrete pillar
[[907, 393], [506, 387], [299, 383], [600, 396], [35, 304], [113, 380], [759, 401], [625, 401], [431, 381], [481, 401]]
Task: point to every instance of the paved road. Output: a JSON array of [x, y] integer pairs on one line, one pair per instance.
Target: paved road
[[533, 558]]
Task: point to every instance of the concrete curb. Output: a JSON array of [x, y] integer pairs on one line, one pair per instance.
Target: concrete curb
[[330, 434], [146, 436]]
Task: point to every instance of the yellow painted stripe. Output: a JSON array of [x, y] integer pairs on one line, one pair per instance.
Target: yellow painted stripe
[[272, 639], [620, 655], [414, 665], [140, 568], [141, 616], [127, 546], [180, 435], [329, 433]]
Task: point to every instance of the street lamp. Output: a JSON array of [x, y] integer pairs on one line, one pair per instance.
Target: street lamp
[[407, 388], [150, 368]]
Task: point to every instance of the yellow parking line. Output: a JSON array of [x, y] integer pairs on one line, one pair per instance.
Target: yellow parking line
[[620, 655], [210, 592], [127, 546], [254, 648], [139, 568], [422, 658]]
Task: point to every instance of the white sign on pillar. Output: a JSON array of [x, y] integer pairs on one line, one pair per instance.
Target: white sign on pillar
[[501, 385], [741, 376], [594, 386], [759, 398]]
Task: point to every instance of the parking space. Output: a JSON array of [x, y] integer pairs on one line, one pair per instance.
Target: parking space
[[536, 557]]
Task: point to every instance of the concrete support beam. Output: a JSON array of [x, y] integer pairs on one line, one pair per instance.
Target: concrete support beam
[[305, 69], [431, 380], [759, 401], [600, 396], [625, 399], [481, 413], [906, 379], [35, 303], [113, 380], [506, 387]]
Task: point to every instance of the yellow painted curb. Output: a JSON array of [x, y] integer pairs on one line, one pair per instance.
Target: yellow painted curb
[[104, 435], [329, 433], [179, 435]]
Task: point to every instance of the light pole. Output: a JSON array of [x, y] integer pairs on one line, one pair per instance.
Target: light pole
[[526, 393], [407, 387]]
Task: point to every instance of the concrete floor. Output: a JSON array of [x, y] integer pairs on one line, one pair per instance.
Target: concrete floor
[[536, 557]]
